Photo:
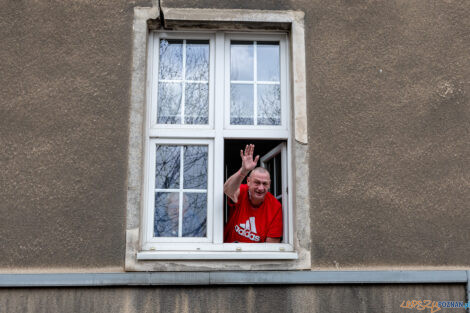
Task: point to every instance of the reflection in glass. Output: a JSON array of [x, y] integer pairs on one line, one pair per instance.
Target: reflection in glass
[[195, 167], [171, 59], [167, 173], [197, 60], [241, 60], [267, 61], [241, 104], [194, 214], [166, 214], [269, 105], [196, 103], [169, 103]]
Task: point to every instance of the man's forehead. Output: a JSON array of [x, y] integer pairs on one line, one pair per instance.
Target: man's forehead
[[262, 176]]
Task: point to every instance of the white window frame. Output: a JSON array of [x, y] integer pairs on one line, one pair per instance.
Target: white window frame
[[282, 150], [176, 130], [183, 19], [214, 134]]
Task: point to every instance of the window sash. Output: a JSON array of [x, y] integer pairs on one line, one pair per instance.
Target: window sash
[[154, 79], [283, 76], [150, 194]]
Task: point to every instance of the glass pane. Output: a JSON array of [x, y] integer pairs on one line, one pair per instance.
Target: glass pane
[[241, 60], [269, 105], [194, 214], [171, 59], [268, 61], [196, 104], [195, 167], [169, 103], [197, 60], [166, 214], [241, 104], [167, 172]]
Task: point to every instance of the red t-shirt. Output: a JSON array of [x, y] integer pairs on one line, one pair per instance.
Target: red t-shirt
[[248, 224]]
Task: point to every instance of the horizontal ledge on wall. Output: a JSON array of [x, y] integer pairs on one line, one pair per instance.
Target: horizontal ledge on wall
[[231, 278], [208, 255]]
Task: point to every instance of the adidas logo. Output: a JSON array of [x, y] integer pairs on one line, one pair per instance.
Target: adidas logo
[[248, 229]]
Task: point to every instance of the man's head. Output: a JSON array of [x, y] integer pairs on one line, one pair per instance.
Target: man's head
[[258, 183]]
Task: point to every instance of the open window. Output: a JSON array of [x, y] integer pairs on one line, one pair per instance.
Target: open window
[[210, 94], [273, 157]]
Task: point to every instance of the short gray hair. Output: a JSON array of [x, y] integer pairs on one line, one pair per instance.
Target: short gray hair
[[260, 169]]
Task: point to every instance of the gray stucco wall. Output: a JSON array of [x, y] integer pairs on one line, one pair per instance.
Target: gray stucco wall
[[373, 298], [388, 108]]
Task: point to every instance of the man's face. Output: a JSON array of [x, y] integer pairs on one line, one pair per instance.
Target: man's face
[[258, 186]]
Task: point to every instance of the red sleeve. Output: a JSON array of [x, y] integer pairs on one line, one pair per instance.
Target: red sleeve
[[275, 229]]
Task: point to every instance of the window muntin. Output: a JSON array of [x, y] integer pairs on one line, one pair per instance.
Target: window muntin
[[273, 47]]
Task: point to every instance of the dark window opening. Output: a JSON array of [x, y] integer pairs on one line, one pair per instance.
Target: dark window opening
[[273, 164]]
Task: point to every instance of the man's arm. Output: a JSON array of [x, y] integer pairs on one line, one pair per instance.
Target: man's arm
[[232, 185], [273, 240]]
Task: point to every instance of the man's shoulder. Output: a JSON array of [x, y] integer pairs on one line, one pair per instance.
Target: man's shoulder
[[271, 199]]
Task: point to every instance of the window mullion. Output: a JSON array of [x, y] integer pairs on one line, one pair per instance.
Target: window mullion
[[180, 213], [255, 85], [219, 84], [183, 87]]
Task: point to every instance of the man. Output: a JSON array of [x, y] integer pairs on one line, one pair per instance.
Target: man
[[255, 214]]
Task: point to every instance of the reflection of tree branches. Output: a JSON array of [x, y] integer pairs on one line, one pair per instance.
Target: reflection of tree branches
[[169, 103], [167, 167], [269, 105], [195, 215], [197, 60], [170, 94], [171, 59], [197, 103], [166, 214], [194, 204], [195, 167]]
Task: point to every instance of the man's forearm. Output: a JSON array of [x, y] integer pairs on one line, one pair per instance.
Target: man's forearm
[[232, 185]]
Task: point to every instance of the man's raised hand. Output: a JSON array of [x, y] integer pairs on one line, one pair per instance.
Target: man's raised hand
[[248, 163]]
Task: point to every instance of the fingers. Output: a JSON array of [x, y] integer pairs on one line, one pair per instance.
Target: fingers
[[249, 149], [256, 159]]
